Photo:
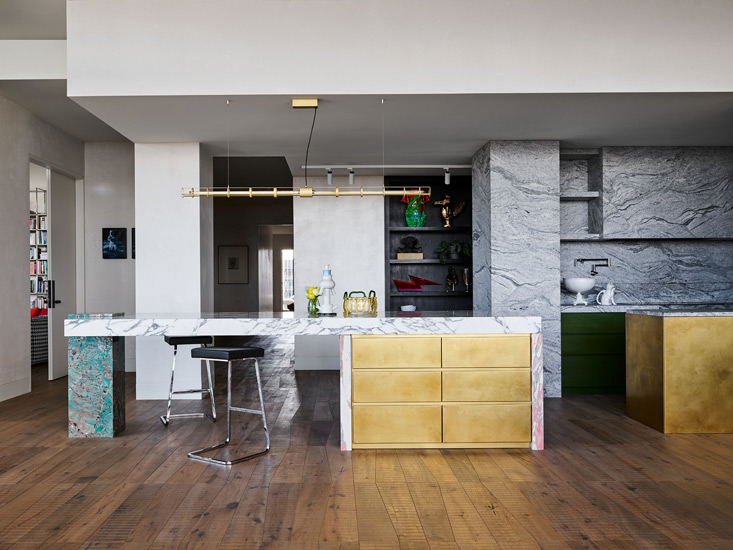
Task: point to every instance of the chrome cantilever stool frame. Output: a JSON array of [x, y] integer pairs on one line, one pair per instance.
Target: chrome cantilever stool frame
[[176, 341], [230, 355]]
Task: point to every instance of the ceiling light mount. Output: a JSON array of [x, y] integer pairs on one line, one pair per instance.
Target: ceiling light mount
[[305, 103]]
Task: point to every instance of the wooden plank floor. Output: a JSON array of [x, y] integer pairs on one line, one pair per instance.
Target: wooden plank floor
[[604, 481]]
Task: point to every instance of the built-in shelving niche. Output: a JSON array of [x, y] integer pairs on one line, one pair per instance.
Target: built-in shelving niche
[[581, 194], [432, 298]]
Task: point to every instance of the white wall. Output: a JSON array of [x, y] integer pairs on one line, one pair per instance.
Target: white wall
[[348, 234], [109, 201], [425, 46], [32, 59], [168, 268], [22, 137]]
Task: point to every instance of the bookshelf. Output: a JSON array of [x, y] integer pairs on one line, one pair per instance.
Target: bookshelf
[[38, 246]]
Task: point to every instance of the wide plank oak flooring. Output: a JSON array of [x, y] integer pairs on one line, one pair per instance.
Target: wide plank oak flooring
[[604, 480]]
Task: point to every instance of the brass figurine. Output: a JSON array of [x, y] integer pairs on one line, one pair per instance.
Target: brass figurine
[[448, 212], [452, 280], [466, 279]]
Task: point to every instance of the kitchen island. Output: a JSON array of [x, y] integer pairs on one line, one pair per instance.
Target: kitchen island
[[491, 367], [679, 370]]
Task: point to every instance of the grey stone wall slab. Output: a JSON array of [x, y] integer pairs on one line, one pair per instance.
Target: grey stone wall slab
[[667, 192]]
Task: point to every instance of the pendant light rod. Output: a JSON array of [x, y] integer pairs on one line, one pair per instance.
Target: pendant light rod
[[386, 166], [251, 192]]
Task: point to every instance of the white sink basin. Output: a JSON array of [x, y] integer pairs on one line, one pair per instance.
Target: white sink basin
[[579, 284]]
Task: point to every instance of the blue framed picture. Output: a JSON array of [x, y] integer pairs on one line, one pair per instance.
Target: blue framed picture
[[114, 243]]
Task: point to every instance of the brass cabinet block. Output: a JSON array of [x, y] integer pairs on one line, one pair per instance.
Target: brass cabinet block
[[491, 351], [487, 385], [645, 370], [395, 386], [397, 423], [487, 423], [395, 352]]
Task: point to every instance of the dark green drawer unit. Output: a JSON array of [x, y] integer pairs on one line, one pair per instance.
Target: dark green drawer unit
[[593, 353]]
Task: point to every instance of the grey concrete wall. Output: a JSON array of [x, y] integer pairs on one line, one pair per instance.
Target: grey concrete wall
[[23, 137], [516, 213], [109, 201]]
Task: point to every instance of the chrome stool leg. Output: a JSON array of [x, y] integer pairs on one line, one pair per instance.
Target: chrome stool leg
[[261, 412], [210, 390]]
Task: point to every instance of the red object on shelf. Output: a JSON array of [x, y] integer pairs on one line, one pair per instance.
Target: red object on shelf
[[421, 281], [407, 286]]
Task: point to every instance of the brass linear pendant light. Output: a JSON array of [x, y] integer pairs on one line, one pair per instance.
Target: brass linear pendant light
[[305, 191]]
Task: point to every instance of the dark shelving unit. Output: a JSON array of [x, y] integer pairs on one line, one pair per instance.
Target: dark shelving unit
[[432, 298]]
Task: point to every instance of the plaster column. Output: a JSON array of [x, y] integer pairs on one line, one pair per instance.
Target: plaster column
[[174, 258], [516, 238], [348, 234]]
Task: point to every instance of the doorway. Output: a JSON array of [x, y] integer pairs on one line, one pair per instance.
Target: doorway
[[275, 273], [52, 264]]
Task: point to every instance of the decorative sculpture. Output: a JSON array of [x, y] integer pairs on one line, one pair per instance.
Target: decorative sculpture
[[452, 280], [409, 245], [449, 211]]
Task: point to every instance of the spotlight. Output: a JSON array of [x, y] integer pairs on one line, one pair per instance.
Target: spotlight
[[351, 176], [329, 176], [447, 176]]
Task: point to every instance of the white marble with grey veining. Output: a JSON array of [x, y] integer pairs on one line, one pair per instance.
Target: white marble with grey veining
[[667, 192], [253, 324], [634, 308], [516, 238]]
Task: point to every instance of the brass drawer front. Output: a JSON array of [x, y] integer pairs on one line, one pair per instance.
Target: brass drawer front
[[397, 423], [384, 352], [395, 386], [487, 385], [487, 351], [510, 423]]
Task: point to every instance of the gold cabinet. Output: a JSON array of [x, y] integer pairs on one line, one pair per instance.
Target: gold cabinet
[[441, 391]]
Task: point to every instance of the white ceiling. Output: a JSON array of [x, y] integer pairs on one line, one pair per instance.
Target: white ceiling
[[32, 19], [418, 129], [47, 100]]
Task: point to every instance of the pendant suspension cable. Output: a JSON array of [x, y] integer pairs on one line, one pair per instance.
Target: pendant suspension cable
[[382, 141], [307, 149], [228, 141]]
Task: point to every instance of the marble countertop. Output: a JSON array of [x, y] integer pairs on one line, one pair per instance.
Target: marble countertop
[[287, 323], [684, 312], [635, 308]]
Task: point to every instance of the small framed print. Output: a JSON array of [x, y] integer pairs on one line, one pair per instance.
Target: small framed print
[[114, 243], [233, 265]]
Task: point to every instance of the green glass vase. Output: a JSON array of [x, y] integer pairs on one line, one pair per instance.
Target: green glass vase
[[415, 212]]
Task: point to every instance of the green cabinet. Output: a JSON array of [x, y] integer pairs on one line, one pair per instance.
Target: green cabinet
[[593, 353]]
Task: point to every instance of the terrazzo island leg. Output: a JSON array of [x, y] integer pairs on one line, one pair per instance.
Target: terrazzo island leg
[[96, 386]]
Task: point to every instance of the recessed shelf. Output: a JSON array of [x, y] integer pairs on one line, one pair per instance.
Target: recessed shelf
[[428, 294], [430, 261], [588, 237], [578, 154], [580, 196], [428, 229]]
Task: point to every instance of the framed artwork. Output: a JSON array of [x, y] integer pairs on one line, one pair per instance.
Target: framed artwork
[[233, 265], [133, 243], [114, 243]]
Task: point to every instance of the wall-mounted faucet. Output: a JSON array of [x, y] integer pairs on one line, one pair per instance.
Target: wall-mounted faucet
[[596, 262]]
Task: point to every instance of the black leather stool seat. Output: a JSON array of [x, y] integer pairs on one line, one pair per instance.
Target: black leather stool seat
[[188, 340], [227, 354]]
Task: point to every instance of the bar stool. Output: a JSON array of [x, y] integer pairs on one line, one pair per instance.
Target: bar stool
[[176, 341], [230, 355]]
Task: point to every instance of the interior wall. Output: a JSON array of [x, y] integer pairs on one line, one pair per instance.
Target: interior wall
[[425, 46], [236, 222], [168, 270], [109, 199], [348, 234], [23, 137]]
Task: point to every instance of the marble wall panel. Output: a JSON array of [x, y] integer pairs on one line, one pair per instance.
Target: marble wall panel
[[574, 219], [657, 272], [573, 175], [516, 213], [667, 192]]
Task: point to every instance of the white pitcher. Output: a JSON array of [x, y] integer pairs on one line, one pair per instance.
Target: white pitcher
[[606, 297]]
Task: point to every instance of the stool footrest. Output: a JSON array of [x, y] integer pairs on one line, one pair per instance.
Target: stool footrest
[[251, 411], [202, 390], [164, 419]]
